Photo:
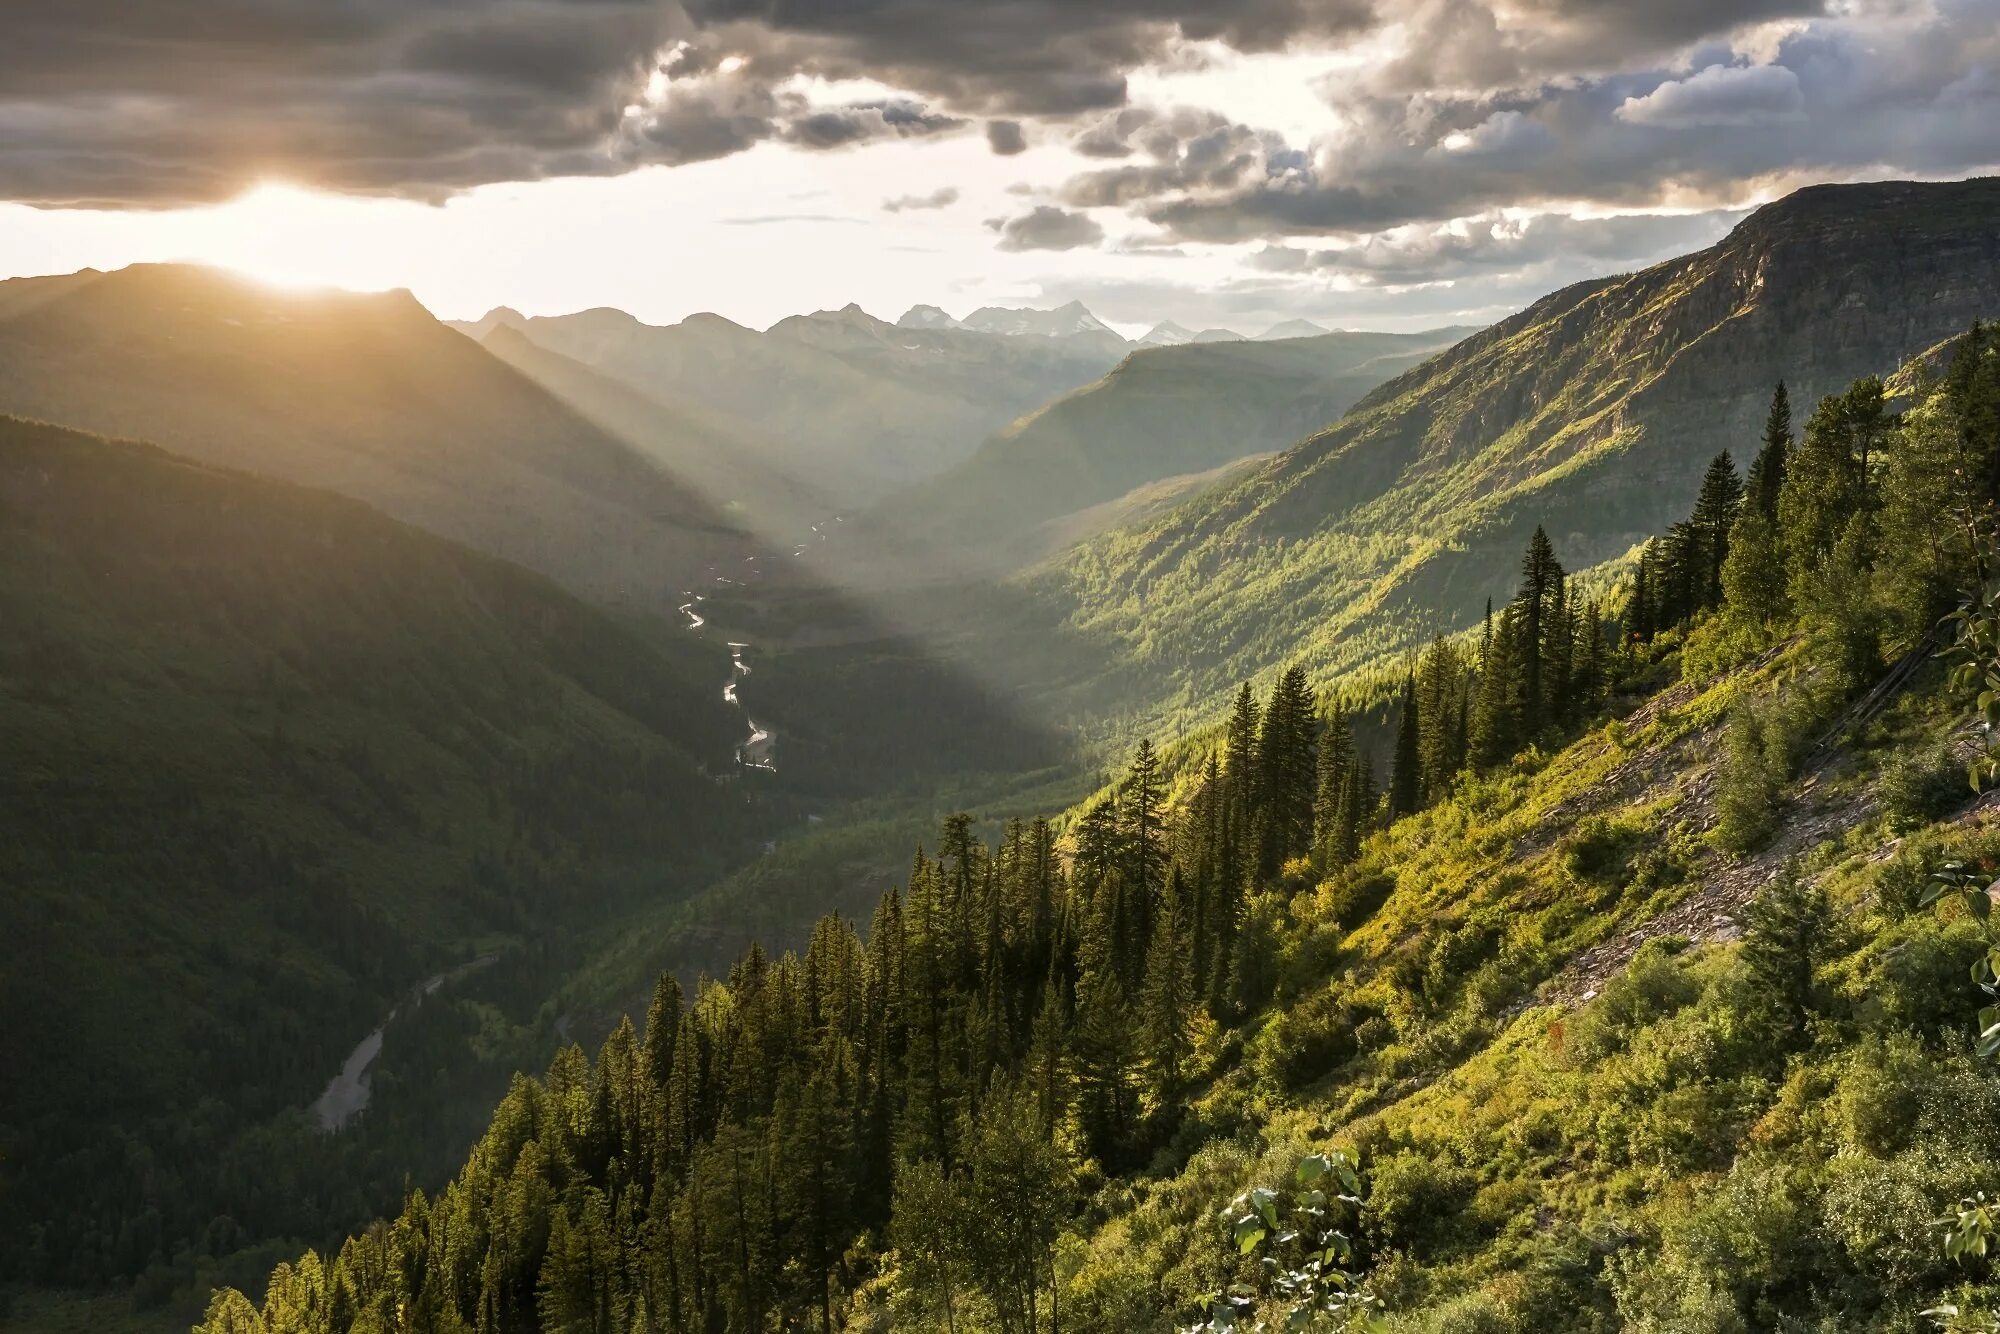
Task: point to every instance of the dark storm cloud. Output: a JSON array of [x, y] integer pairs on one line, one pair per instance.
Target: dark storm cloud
[[1458, 46], [862, 122], [166, 101], [1005, 137], [1023, 57], [1046, 227]]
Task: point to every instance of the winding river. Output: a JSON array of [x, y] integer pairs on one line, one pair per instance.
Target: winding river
[[756, 750], [347, 1093]]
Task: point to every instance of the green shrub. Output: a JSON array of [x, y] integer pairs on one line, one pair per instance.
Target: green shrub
[[1756, 764], [1919, 979], [1354, 898], [1921, 785], [1452, 959], [1415, 1200], [1718, 644], [1600, 850], [1306, 1042], [1883, 1213], [1901, 882], [1468, 1313], [1655, 984], [1881, 1094]]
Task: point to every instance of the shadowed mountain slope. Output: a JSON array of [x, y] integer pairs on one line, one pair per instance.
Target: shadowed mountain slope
[[364, 394], [738, 473], [271, 758]]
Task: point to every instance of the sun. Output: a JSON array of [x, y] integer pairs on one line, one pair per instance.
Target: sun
[[294, 238]]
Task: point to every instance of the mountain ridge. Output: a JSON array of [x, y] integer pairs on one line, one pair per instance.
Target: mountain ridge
[[1183, 411], [1592, 411], [363, 393]]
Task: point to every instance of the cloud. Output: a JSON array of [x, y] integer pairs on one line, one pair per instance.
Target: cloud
[[840, 126], [941, 198], [1721, 95], [159, 102], [1187, 150], [1902, 92], [1460, 107], [1047, 227], [1005, 137], [768, 219], [1555, 245]]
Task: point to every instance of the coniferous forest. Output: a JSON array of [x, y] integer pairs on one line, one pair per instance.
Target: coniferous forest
[[1018, 1098]]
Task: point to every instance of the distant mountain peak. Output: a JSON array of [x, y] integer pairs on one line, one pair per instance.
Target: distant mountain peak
[[1291, 329], [706, 319], [1167, 333], [1065, 321], [927, 317]]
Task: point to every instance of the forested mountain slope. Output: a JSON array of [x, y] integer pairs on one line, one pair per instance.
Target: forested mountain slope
[[1592, 412], [1163, 412], [741, 475], [860, 405], [271, 758], [366, 395], [1637, 998]]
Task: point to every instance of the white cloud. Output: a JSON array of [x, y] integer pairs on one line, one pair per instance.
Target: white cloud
[[1721, 95]]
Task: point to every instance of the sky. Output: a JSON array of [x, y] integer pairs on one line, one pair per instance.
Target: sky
[[1391, 164]]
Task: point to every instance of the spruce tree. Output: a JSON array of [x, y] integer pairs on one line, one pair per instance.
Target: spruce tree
[[1358, 800], [1540, 575], [1240, 755], [1590, 664], [663, 1021], [1168, 1003], [1406, 768], [1767, 470], [1439, 700], [1785, 930], [1639, 612], [1494, 732], [1714, 515], [1334, 759], [1558, 648], [1107, 1068], [1142, 833], [1827, 479]]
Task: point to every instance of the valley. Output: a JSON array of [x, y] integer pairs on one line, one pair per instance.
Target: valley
[[870, 824]]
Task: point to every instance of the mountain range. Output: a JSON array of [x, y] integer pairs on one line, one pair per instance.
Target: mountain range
[[856, 406], [332, 687]]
